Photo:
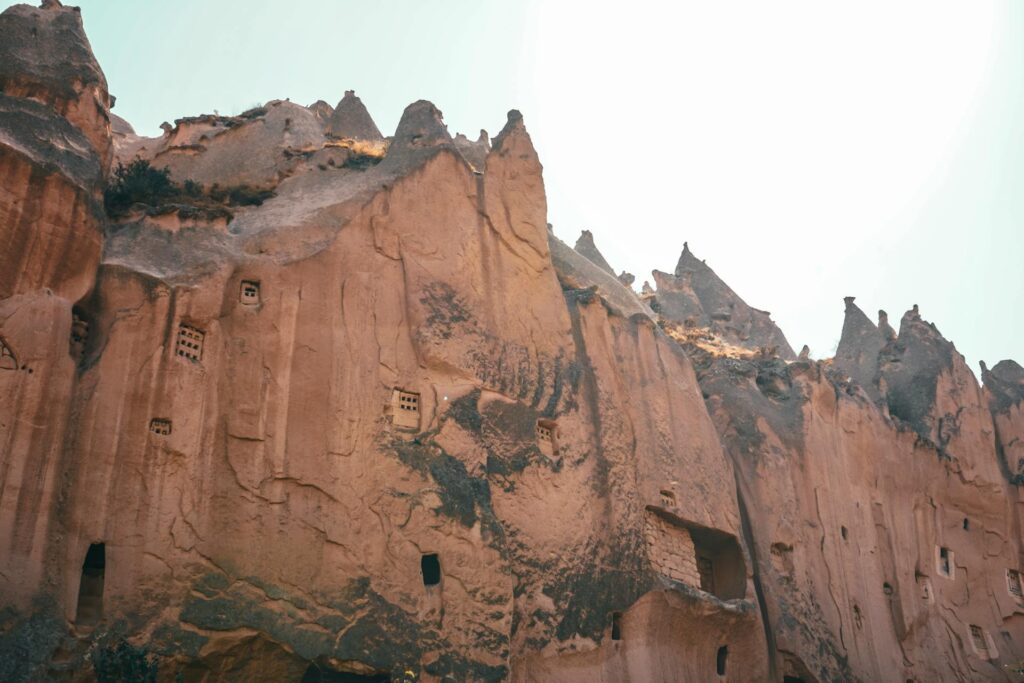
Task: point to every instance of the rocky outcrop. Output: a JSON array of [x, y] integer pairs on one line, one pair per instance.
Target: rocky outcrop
[[1004, 391], [46, 57], [351, 120], [586, 247], [386, 422], [696, 294]]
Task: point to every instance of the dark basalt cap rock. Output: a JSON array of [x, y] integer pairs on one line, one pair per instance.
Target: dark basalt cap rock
[[859, 346], [422, 125], [910, 365], [48, 140], [1005, 382], [351, 120], [46, 49], [694, 290], [585, 246]]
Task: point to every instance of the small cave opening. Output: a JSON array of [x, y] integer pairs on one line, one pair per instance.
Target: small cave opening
[[723, 654], [967, 524], [616, 625], [430, 567], [90, 589], [844, 532]]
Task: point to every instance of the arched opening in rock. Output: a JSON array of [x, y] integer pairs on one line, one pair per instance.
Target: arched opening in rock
[[616, 625], [430, 567], [90, 589], [318, 673], [723, 653]]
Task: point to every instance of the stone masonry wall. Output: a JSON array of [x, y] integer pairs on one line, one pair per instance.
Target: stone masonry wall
[[670, 550]]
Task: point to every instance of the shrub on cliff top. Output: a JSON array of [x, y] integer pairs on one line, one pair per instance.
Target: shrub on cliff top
[[139, 183]]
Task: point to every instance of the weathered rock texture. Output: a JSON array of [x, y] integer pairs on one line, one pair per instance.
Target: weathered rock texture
[[386, 424]]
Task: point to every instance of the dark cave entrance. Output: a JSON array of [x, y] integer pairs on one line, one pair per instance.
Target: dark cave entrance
[[430, 566], [90, 590]]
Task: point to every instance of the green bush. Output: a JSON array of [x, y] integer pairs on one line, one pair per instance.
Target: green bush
[[140, 183], [137, 183]]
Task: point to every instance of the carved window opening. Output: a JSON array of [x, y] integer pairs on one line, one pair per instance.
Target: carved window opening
[[944, 562], [668, 499], [190, 342], [406, 409], [967, 524], [723, 653], [978, 640], [547, 437], [706, 571], [7, 359], [430, 568], [924, 587], [160, 426], [90, 590], [844, 532], [250, 293], [79, 333], [1013, 583], [616, 625]]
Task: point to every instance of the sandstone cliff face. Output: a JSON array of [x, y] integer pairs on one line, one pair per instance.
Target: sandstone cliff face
[[386, 422]]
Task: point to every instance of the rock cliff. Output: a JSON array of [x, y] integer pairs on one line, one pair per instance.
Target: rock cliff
[[342, 407]]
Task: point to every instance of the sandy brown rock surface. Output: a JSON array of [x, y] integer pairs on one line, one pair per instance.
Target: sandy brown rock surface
[[381, 424]]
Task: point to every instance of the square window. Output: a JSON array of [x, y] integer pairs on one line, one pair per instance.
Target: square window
[[160, 426], [250, 292]]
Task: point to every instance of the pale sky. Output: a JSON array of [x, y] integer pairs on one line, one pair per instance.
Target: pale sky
[[807, 150]]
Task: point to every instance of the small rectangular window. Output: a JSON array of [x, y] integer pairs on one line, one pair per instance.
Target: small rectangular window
[[1013, 583], [978, 639], [430, 567], [706, 570], [250, 293], [616, 625], [547, 437], [190, 342], [944, 562], [160, 426], [406, 409]]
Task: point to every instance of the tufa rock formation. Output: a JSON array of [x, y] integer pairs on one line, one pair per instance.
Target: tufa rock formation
[[344, 408]]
